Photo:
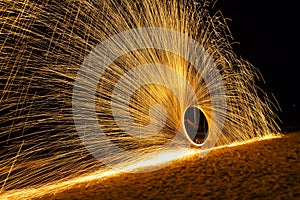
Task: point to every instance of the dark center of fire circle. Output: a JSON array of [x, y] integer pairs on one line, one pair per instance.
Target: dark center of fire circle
[[195, 124]]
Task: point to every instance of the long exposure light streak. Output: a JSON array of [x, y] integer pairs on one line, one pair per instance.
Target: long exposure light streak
[[52, 77], [57, 187]]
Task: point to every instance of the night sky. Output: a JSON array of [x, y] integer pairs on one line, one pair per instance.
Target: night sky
[[267, 36]]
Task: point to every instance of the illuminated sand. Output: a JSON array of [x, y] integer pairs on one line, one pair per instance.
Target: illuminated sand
[[265, 168]]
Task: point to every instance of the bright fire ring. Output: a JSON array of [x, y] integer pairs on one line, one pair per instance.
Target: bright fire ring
[[195, 125]]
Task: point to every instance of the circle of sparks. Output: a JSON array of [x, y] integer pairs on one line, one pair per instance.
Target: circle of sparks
[[195, 125], [106, 53]]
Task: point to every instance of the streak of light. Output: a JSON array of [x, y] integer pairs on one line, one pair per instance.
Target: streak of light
[[164, 158]]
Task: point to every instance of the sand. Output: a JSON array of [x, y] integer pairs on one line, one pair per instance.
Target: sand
[[268, 169]]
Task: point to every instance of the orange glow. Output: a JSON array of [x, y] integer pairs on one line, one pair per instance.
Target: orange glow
[[110, 78], [158, 160]]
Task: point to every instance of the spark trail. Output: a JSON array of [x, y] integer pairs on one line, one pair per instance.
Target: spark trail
[[43, 45]]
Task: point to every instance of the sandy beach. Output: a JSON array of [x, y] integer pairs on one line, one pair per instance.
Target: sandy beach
[[268, 169]]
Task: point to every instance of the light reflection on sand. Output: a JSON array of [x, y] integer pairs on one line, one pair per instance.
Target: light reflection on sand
[[162, 159]]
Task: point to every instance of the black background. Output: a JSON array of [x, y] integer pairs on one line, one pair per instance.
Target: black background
[[267, 32]]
